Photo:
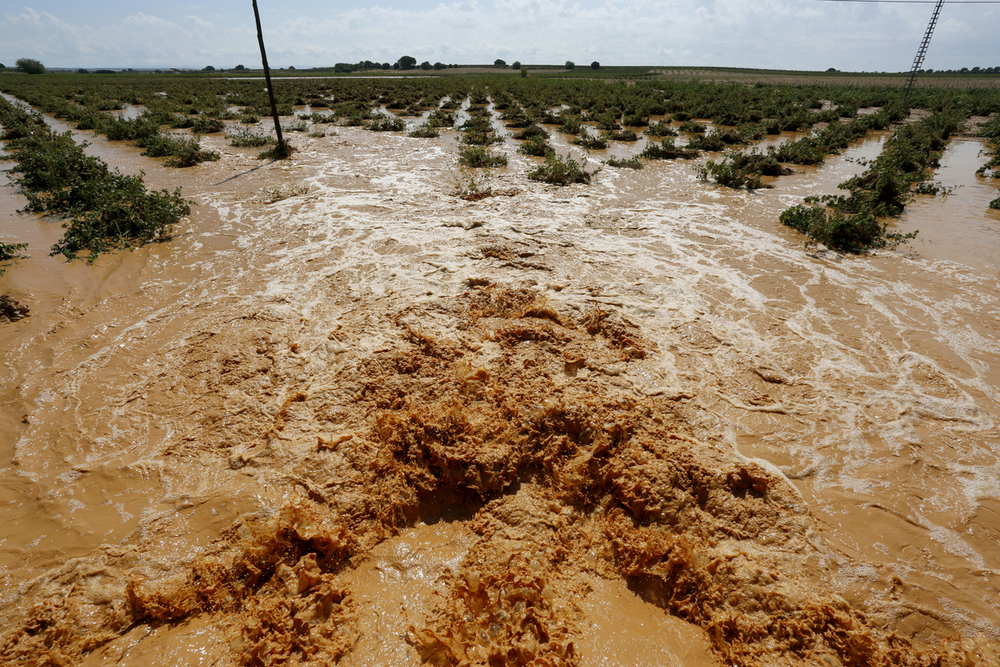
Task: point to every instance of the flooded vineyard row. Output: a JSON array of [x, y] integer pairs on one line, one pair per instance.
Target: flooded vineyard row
[[345, 415]]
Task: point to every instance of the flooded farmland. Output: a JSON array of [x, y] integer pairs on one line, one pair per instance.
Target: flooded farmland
[[345, 415]]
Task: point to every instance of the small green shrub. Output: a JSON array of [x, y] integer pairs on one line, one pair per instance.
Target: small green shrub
[[661, 129], [180, 151], [50, 166], [277, 152], [635, 120], [991, 131], [743, 170], [731, 176], [247, 138], [90, 120], [752, 132], [711, 144], [207, 126], [927, 188], [571, 124], [426, 131], [589, 141], [319, 118], [716, 140], [129, 129], [478, 188], [517, 120], [623, 135], [441, 118], [479, 157], [763, 163], [631, 163], [535, 145], [478, 130], [519, 123], [481, 138], [547, 117], [807, 150], [558, 170], [532, 131], [606, 121], [125, 215], [17, 123], [847, 232], [666, 150], [355, 109], [11, 250], [691, 127], [991, 169], [295, 126], [803, 218]]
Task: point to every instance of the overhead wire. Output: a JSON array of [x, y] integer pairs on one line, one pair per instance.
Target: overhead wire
[[920, 2]]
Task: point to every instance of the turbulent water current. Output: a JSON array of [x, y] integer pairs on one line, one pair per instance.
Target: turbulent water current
[[347, 415]]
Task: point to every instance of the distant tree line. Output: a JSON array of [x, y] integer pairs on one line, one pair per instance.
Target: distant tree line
[[31, 66], [409, 63], [964, 70]]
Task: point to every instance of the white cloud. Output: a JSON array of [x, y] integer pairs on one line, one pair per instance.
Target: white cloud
[[795, 34], [142, 21], [206, 25]]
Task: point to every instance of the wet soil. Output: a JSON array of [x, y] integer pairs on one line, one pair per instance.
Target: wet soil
[[347, 416]]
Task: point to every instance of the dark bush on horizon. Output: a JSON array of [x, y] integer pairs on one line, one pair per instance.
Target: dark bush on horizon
[[30, 66]]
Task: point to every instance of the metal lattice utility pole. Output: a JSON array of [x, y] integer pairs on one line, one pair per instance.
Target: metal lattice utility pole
[[267, 77], [922, 51]]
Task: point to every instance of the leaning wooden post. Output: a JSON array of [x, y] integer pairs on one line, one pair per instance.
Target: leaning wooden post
[[281, 150]]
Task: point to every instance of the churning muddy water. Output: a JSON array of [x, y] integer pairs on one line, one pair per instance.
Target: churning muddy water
[[345, 415]]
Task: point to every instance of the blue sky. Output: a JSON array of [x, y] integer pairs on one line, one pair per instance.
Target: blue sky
[[785, 34]]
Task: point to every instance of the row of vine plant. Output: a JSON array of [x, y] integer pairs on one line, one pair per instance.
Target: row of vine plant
[[614, 109], [991, 132], [103, 209], [857, 221]]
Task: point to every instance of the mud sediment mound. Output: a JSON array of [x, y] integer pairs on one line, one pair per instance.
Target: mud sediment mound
[[494, 409], [11, 310]]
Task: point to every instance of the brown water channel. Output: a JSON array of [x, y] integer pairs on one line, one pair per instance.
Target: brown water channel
[[867, 387]]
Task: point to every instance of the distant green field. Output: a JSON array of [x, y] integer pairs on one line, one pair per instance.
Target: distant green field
[[585, 71]]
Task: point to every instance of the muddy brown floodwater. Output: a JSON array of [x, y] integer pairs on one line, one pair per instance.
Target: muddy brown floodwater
[[347, 416]]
